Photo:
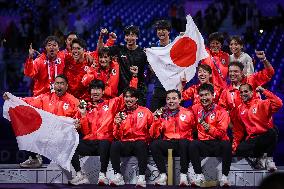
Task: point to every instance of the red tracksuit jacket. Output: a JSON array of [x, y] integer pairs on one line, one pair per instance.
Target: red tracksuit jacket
[[178, 126], [43, 71], [109, 76], [218, 120], [254, 117], [75, 72], [219, 68], [65, 105], [136, 125], [98, 122]]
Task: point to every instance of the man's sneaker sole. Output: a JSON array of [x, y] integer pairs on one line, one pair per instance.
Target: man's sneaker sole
[[84, 181]]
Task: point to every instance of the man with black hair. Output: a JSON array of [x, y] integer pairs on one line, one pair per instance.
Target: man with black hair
[[163, 29], [68, 42], [131, 129], [204, 74], [59, 103], [254, 117], [212, 124], [217, 60], [131, 55], [76, 66], [46, 66], [173, 128]]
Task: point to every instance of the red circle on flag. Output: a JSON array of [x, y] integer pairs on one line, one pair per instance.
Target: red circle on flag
[[183, 52], [24, 119]]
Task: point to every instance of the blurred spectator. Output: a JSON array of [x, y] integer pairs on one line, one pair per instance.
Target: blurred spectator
[[79, 25]]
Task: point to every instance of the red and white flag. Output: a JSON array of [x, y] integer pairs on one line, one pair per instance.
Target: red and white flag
[[180, 57], [42, 132]]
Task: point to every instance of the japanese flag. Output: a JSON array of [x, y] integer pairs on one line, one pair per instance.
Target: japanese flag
[[178, 58], [42, 132]]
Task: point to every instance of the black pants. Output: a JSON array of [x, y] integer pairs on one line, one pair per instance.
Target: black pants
[[159, 150], [208, 148], [92, 148], [139, 149], [257, 146], [158, 99]]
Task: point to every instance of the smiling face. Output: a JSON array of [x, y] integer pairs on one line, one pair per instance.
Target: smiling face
[[235, 47], [163, 34], [203, 75], [130, 101], [173, 101], [206, 98], [104, 60], [215, 46], [77, 52], [246, 93], [52, 49], [60, 86], [97, 94], [235, 73], [130, 39]]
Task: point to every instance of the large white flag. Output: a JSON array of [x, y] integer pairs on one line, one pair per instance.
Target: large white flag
[[180, 57], [42, 132]]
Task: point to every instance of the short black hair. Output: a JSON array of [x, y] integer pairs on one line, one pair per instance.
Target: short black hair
[[133, 92], [206, 87], [174, 91], [236, 63], [104, 50], [63, 77], [131, 29], [275, 181], [71, 33], [163, 24], [216, 36], [50, 38], [97, 84], [79, 41], [247, 84], [205, 67], [237, 38]]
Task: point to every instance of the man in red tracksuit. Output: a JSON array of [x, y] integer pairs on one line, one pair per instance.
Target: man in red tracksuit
[[107, 70], [212, 127], [172, 128], [254, 115], [45, 67], [76, 66], [204, 74], [96, 122], [59, 103], [217, 60], [230, 97], [131, 129]]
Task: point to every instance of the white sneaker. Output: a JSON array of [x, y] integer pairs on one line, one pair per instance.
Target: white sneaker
[[32, 163], [80, 178], [198, 180], [162, 180], [117, 180], [102, 181], [224, 182], [183, 180], [141, 182], [260, 162], [270, 165]]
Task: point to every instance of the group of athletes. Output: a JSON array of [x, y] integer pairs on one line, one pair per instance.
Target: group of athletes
[[104, 90]]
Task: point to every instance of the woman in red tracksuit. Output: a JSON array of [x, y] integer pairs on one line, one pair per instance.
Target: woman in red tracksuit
[[254, 116], [131, 129], [173, 130]]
